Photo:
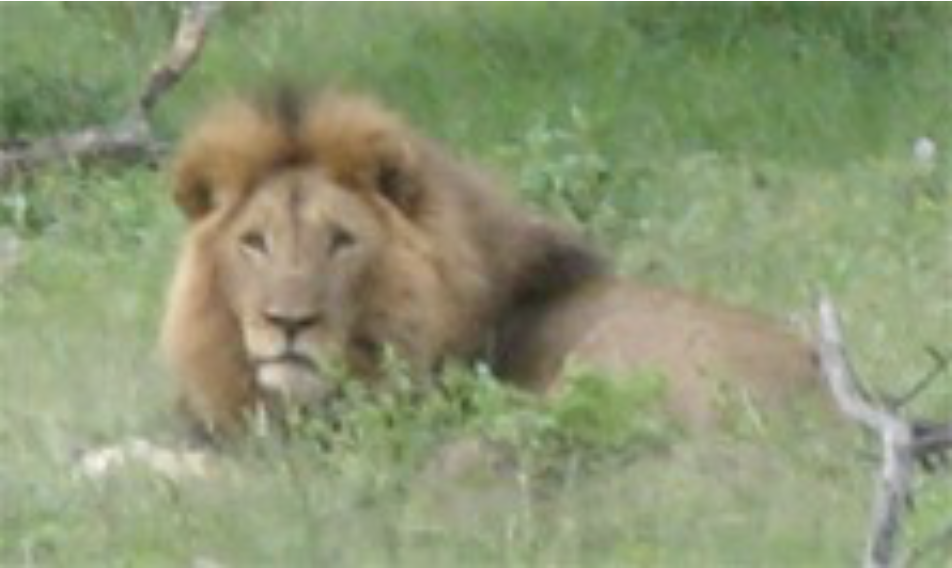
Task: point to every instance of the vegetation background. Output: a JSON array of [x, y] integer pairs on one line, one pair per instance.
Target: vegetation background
[[756, 153]]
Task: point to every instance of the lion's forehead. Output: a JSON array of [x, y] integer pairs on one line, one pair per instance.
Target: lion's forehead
[[304, 199]]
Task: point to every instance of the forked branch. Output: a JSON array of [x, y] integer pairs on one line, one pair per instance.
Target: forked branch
[[905, 443], [130, 138]]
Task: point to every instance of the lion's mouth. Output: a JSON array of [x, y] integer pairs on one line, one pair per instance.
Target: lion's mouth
[[292, 377], [288, 359]]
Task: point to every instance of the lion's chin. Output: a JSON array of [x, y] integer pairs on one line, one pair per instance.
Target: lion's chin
[[293, 381]]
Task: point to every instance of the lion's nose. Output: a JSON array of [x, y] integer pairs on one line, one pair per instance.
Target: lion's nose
[[291, 321]]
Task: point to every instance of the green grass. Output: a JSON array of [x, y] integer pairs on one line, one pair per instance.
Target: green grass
[[757, 154]]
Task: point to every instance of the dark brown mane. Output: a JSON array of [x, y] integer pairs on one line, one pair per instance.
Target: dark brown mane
[[555, 265]]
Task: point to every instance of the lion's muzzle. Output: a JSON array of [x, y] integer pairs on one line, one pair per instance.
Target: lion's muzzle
[[293, 379]]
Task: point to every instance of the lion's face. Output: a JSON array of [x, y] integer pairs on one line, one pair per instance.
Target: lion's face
[[293, 261], [317, 236]]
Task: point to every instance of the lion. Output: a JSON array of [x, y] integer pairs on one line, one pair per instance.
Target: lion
[[326, 232]]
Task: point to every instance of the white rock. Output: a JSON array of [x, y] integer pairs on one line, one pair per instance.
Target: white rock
[[924, 150]]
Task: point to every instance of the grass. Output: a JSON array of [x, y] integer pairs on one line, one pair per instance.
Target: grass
[[754, 153]]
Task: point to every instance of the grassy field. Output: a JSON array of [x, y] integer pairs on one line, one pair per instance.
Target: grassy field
[[757, 154]]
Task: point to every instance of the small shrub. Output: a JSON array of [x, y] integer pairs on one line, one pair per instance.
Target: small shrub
[[561, 168]]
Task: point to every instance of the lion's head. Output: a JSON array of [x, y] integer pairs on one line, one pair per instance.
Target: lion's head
[[317, 236]]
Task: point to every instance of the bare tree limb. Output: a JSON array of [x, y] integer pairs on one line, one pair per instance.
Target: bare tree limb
[[895, 476], [186, 47], [904, 443], [129, 139], [126, 141]]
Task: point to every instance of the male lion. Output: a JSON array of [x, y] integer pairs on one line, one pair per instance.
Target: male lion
[[330, 230]]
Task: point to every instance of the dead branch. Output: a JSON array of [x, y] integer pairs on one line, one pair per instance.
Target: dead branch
[[187, 44], [932, 444], [895, 475], [904, 443], [129, 139]]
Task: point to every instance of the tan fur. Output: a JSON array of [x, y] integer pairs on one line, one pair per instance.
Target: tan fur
[[432, 261]]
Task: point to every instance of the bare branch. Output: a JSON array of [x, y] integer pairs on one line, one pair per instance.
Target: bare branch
[[941, 364], [932, 441], [894, 490], [905, 443], [130, 139], [127, 141], [186, 46]]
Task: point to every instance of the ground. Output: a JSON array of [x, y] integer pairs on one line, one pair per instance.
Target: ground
[[757, 154]]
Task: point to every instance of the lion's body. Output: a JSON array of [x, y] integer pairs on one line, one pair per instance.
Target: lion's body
[[333, 227], [623, 327]]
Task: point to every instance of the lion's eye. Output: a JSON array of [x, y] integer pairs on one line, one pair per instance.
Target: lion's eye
[[254, 242], [341, 239]]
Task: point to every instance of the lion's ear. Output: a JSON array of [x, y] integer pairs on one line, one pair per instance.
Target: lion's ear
[[207, 179], [192, 193], [367, 148], [219, 160], [203, 185], [383, 163], [395, 174]]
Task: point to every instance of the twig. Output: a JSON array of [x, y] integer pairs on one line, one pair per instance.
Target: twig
[[941, 363], [129, 139]]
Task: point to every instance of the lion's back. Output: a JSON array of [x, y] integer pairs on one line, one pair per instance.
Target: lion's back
[[700, 347]]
